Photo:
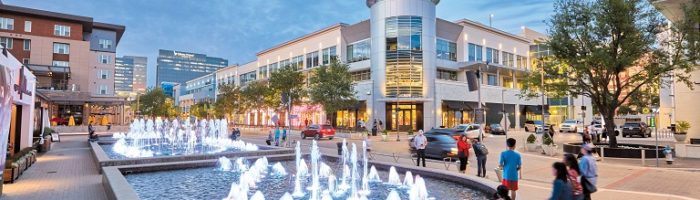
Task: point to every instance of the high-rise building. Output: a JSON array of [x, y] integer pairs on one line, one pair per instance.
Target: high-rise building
[[73, 58], [130, 75], [179, 67]]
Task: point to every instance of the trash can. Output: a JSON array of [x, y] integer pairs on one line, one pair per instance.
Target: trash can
[[340, 148]]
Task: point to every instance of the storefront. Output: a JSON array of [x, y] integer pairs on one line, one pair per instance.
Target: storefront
[[349, 116], [404, 116], [457, 112]]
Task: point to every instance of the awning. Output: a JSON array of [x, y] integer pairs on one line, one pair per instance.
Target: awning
[[62, 97], [458, 105], [356, 106], [532, 109]]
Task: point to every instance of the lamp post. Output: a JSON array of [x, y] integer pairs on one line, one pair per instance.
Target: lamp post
[[654, 113], [503, 111]]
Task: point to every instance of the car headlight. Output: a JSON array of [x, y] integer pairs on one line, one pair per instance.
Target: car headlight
[[454, 150]]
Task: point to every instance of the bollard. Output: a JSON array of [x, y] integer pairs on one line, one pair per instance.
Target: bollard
[[602, 153], [644, 161]]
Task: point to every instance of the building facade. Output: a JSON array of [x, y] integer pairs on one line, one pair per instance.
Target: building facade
[[73, 58], [179, 67], [200, 89], [130, 75]]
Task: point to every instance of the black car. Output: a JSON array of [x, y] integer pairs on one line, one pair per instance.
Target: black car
[[630, 129], [496, 129], [440, 144]]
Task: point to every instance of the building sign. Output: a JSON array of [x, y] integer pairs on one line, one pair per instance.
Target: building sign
[[22, 87]]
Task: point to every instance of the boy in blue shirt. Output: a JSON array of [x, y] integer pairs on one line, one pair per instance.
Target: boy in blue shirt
[[510, 162]]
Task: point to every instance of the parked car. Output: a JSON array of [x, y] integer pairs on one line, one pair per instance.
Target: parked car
[[440, 144], [536, 126], [471, 130], [318, 132], [571, 125], [496, 129], [635, 128]]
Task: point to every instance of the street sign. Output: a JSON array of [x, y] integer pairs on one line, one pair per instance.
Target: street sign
[[479, 115]]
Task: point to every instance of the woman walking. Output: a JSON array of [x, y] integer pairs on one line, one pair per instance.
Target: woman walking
[[463, 147], [481, 152], [573, 175], [561, 190]]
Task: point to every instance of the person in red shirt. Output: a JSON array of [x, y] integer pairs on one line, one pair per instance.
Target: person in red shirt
[[463, 147]]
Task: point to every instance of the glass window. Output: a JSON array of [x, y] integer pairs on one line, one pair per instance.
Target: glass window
[[27, 44], [446, 75], [508, 82], [6, 41], [508, 59], [247, 77], [61, 63], [61, 48], [263, 71], [103, 74], [329, 55], [360, 75], [7, 23], [492, 55], [102, 89], [492, 79], [298, 62], [359, 51], [475, 52], [27, 26], [522, 62], [312, 59], [446, 50], [404, 57], [61, 30], [284, 63], [105, 59], [273, 67], [25, 61], [105, 44]]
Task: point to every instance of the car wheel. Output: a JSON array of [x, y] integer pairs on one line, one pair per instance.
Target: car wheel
[[644, 135], [317, 137], [526, 129]]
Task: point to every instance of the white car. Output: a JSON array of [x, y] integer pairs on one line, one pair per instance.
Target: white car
[[571, 125], [471, 130]]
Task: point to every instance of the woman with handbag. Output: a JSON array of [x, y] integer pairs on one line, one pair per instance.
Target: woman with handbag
[[463, 147]]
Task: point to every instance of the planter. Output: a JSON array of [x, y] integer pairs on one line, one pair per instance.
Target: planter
[[531, 147], [624, 150], [550, 150], [680, 137], [384, 138]]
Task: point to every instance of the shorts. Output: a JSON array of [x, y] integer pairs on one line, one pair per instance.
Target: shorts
[[511, 185]]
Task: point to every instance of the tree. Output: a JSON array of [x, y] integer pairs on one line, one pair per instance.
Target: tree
[[256, 95], [155, 103], [610, 50], [202, 110], [331, 86], [228, 101], [288, 80]]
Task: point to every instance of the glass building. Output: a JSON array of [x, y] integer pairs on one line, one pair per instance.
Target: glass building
[[124, 75], [180, 67]]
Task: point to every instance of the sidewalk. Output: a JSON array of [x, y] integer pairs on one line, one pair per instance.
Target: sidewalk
[[67, 172]]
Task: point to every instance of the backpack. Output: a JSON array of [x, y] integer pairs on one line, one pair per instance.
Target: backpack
[[482, 149]]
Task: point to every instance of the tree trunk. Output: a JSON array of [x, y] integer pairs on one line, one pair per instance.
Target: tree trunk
[[610, 128]]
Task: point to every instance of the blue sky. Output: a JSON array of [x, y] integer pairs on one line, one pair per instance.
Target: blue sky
[[237, 29]]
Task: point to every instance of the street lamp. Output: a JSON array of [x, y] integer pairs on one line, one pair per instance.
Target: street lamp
[[655, 111]]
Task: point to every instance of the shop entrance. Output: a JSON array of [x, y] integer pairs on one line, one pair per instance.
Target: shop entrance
[[405, 117]]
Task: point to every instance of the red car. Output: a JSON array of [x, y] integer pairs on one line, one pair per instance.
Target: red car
[[318, 131]]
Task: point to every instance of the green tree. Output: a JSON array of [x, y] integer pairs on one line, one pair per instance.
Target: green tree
[[609, 50], [331, 86], [228, 100], [202, 110], [155, 103], [256, 95], [288, 80]]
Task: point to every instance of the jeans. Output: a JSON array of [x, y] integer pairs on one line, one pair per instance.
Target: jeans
[[481, 165], [421, 155], [463, 163]]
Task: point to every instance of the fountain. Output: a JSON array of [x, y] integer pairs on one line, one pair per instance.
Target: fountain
[[225, 164], [393, 195], [394, 178], [278, 170], [408, 180], [373, 175]]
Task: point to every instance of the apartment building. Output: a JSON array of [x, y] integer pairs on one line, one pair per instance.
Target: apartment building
[[73, 58], [200, 89]]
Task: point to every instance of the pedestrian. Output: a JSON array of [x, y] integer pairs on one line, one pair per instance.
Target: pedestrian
[[463, 147], [511, 163], [381, 126], [551, 131], [586, 135], [284, 135], [605, 135], [589, 171], [91, 133], [306, 122], [277, 136], [573, 176], [269, 137], [501, 193], [481, 153], [420, 142], [561, 190]]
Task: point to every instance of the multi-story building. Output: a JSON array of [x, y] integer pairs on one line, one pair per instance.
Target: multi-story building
[[179, 67], [409, 69], [72, 57], [200, 89], [130, 75]]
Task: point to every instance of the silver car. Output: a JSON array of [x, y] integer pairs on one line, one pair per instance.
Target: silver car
[[571, 125]]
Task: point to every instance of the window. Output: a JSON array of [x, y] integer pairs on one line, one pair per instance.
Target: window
[[492, 56], [404, 56], [105, 44], [358, 51], [360, 75], [103, 74], [27, 26], [7, 42], [298, 62], [446, 75], [329, 55], [446, 50], [508, 59], [492, 79], [105, 59], [312, 59], [521, 62], [508, 82], [284, 63], [25, 61], [475, 53], [247, 77], [102, 89], [61, 30], [273, 67], [61, 48], [61, 64], [263, 71], [27, 45], [7, 23]]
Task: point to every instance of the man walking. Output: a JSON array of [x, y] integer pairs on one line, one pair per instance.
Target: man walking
[[511, 163], [589, 171], [420, 142]]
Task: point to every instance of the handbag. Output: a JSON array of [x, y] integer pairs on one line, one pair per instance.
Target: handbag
[[460, 154], [587, 185]]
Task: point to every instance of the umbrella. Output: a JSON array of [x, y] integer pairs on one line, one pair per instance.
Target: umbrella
[[71, 121]]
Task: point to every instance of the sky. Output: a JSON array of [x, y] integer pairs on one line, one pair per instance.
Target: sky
[[237, 29]]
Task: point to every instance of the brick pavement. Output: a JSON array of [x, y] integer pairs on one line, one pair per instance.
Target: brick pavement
[[67, 172]]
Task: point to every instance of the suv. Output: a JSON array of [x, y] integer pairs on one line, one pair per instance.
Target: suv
[[635, 128], [571, 125]]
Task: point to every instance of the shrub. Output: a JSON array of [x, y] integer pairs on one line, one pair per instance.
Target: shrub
[[531, 139], [547, 139], [682, 127]]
